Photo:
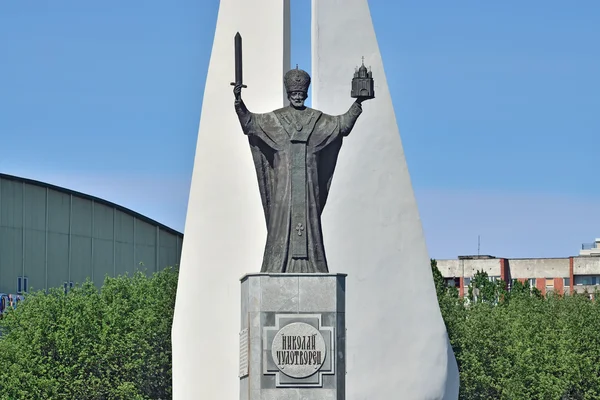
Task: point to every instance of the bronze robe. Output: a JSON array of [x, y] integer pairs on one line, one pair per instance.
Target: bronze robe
[[295, 152]]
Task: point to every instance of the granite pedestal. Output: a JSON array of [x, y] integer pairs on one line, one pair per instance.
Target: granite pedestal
[[293, 337]]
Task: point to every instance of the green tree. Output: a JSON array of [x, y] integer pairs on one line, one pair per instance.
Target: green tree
[[113, 343], [520, 288], [438, 279], [520, 345], [482, 289]]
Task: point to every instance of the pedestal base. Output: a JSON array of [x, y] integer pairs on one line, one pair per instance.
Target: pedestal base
[[293, 337]]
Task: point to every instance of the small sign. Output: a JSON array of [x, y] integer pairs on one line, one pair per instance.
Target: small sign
[[244, 353]]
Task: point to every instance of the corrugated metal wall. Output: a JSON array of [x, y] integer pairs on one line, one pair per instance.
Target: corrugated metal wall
[[53, 236]]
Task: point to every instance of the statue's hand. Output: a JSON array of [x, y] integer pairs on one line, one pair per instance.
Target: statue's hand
[[359, 100], [237, 92]]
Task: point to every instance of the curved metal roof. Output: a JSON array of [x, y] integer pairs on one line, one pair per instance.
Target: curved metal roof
[[92, 198]]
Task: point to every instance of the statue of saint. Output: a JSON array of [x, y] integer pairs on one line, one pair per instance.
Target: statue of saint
[[295, 150]]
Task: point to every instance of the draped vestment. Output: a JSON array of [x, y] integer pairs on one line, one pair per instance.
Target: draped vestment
[[295, 152]]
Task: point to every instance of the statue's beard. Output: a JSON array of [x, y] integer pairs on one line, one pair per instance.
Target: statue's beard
[[297, 104]]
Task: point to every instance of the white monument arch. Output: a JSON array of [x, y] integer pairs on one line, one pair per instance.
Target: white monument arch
[[397, 345]]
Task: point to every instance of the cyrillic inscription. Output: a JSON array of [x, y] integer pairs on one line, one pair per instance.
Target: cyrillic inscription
[[298, 350]]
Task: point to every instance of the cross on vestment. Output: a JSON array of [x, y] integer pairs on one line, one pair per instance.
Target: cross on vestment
[[300, 228]]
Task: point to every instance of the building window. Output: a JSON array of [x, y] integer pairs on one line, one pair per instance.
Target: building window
[[467, 281], [453, 282], [532, 282], [22, 284], [549, 285], [567, 282], [493, 278], [587, 280]]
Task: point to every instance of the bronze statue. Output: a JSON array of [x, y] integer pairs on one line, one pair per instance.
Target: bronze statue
[[295, 151]]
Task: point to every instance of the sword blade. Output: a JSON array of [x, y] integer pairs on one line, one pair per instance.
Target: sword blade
[[238, 61], [238, 58]]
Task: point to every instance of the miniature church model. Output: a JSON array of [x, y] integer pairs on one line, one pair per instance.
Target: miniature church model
[[362, 83]]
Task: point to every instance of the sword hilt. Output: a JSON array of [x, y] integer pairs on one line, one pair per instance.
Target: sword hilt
[[243, 86]]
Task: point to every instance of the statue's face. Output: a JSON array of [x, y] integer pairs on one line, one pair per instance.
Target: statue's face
[[297, 99]]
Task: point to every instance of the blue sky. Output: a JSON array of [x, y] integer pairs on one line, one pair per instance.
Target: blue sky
[[497, 104]]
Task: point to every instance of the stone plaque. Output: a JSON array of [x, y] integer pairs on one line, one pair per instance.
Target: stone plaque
[[243, 353], [298, 350]]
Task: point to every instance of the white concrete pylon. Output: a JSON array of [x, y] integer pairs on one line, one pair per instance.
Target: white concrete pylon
[[225, 227], [397, 345]]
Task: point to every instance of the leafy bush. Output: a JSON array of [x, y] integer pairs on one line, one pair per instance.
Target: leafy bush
[[113, 343]]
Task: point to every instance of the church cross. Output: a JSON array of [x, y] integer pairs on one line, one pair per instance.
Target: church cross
[[299, 228]]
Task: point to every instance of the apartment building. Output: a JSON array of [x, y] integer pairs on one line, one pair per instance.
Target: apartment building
[[563, 275]]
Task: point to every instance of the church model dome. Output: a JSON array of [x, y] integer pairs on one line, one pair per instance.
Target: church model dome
[[363, 85]]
